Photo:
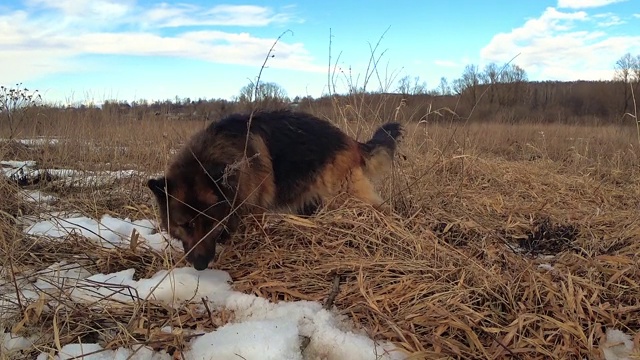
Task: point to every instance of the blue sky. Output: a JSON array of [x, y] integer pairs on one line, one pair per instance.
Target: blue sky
[[89, 51]]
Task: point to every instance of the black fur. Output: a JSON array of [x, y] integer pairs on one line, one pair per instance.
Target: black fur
[[310, 208], [299, 145]]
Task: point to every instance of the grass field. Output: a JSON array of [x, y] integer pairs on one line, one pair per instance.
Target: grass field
[[510, 241]]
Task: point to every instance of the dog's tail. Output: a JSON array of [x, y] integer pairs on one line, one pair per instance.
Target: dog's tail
[[379, 151]]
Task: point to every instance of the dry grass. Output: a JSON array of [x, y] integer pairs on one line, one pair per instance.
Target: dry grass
[[455, 274]]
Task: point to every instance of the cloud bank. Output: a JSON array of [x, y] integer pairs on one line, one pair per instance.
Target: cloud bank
[[582, 4], [564, 45], [48, 36]]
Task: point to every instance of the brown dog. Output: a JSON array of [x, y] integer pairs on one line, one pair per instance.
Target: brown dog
[[289, 161]]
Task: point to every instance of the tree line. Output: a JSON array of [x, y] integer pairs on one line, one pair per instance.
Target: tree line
[[492, 93]]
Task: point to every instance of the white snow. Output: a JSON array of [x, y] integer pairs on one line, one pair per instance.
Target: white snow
[[108, 232], [248, 339], [27, 170], [260, 329], [58, 275], [36, 196], [272, 330], [547, 267], [93, 351], [18, 164], [11, 342], [38, 141], [618, 346]]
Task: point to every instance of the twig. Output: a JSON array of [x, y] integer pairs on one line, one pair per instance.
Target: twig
[[334, 292], [495, 338], [304, 343], [264, 64], [206, 307], [635, 112], [15, 282], [329, 68]]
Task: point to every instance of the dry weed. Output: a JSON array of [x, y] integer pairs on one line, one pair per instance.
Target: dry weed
[[506, 243]]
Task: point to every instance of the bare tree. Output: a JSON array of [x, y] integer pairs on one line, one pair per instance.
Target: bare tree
[[490, 74], [406, 87], [624, 68], [513, 74], [468, 83], [266, 91], [444, 87], [627, 71]]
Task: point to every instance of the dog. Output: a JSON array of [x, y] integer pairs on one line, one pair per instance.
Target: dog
[[288, 160]]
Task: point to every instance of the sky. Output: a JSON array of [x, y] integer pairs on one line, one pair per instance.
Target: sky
[[77, 51]]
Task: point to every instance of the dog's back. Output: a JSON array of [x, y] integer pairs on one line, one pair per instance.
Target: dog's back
[[298, 145], [307, 156]]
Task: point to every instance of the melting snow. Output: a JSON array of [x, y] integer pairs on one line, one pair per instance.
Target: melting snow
[[18, 164], [27, 171], [108, 232], [618, 346], [38, 141], [14, 343], [39, 197], [96, 352], [260, 329]]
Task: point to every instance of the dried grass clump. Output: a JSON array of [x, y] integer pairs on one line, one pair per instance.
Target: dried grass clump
[[55, 319], [11, 204], [503, 246], [15, 150], [403, 282]]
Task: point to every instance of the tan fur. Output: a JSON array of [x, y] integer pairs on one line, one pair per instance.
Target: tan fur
[[377, 164], [345, 175]]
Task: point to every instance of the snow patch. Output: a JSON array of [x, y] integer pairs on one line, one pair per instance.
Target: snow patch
[[260, 329], [92, 351], [25, 172], [12, 343], [251, 340], [18, 164], [36, 196], [618, 346], [108, 232]]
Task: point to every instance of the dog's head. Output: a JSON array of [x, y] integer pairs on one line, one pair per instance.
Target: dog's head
[[196, 211]]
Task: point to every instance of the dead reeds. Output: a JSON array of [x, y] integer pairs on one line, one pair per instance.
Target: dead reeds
[[506, 244]]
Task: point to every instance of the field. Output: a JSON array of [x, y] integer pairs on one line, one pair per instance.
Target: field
[[516, 241]]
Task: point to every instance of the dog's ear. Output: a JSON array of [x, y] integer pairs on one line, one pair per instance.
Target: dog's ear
[[157, 186]]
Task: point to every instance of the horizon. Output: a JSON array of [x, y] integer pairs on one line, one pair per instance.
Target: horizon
[[128, 50]]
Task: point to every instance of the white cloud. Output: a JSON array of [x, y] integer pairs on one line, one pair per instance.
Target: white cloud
[[49, 39], [608, 19], [214, 46], [89, 14], [554, 47], [637, 16], [583, 4], [165, 15], [106, 8]]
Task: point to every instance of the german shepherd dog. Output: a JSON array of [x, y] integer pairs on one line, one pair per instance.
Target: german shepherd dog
[[288, 160]]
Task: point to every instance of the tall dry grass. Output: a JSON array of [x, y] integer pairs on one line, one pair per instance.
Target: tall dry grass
[[454, 274]]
